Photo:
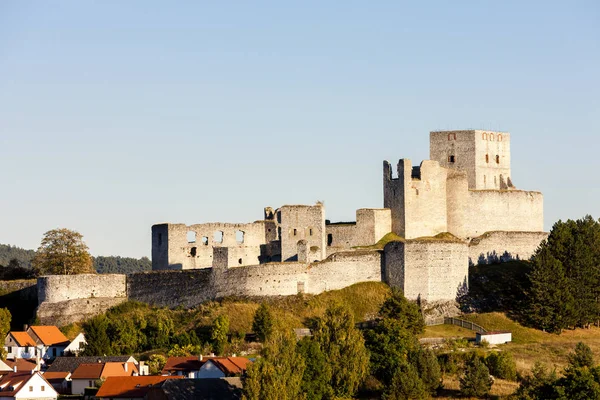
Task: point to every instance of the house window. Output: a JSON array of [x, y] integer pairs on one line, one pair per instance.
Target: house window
[[31, 388], [451, 159], [90, 384], [43, 388], [54, 352]]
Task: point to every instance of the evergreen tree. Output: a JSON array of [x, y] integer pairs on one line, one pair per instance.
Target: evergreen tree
[[262, 323], [539, 385], [502, 365], [397, 307], [277, 375], [550, 303], [344, 348], [428, 368], [218, 333], [579, 384], [406, 385], [98, 342], [476, 380], [582, 357], [317, 375]]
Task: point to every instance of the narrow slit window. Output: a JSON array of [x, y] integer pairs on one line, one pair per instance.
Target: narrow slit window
[[497, 159], [487, 158], [451, 159]]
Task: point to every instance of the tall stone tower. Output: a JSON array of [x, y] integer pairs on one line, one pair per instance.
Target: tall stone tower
[[483, 155]]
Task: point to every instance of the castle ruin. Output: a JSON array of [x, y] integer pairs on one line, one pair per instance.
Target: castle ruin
[[458, 208]]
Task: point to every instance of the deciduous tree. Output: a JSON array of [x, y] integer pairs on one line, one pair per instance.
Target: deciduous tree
[[262, 324], [62, 252]]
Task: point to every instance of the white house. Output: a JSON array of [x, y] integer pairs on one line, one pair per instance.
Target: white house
[[26, 386], [86, 375], [50, 341], [497, 337], [19, 345], [76, 345], [221, 367]]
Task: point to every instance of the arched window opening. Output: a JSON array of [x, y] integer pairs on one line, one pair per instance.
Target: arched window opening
[[191, 237], [240, 261], [239, 237], [497, 159], [205, 240], [193, 251], [491, 137], [484, 136], [499, 137], [218, 237], [452, 136]]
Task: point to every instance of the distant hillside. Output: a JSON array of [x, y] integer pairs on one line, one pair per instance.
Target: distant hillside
[[102, 264]]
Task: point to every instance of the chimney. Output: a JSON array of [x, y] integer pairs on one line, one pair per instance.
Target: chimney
[[200, 357], [125, 366], [15, 367]]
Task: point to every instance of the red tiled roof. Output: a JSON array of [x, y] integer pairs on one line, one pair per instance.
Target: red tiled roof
[[16, 380], [23, 364], [88, 371], [56, 377], [183, 364], [103, 370], [130, 386], [49, 335], [231, 365], [23, 339]]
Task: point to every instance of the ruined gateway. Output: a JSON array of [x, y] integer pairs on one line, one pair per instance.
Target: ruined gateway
[[457, 208]]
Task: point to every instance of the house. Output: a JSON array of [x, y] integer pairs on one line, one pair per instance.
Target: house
[[70, 364], [26, 385], [130, 387], [19, 345], [4, 368], [496, 337], [183, 366], [50, 341], [76, 345], [60, 381], [24, 364], [86, 375], [221, 367], [197, 389]]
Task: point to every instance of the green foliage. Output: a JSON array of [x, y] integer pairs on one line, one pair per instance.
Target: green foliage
[[317, 375], [406, 384], [578, 384], [344, 347], [582, 357], [397, 307], [156, 363], [62, 252], [428, 368], [539, 385], [502, 365], [22, 256], [476, 380], [121, 265], [277, 375], [184, 351], [14, 271], [218, 333], [5, 318], [98, 342], [262, 323]]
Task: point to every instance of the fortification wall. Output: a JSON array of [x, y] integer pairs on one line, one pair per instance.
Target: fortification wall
[[393, 193], [301, 222], [57, 288], [429, 270], [340, 236], [457, 144], [370, 226], [75, 310], [493, 247], [21, 299]]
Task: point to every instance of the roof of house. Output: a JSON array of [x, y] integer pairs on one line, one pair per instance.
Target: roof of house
[[199, 389], [71, 363], [175, 364], [231, 365], [103, 370], [49, 335], [23, 364], [13, 382], [56, 377], [22, 338], [130, 386]]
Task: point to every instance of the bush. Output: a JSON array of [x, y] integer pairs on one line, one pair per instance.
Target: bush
[[582, 357], [406, 384], [502, 365], [476, 380]]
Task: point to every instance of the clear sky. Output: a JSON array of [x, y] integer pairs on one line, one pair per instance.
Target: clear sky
[[115, 115]]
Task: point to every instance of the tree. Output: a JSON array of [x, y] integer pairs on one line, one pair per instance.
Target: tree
[[476, 380], [398, 307], [262, 324], [156, 363], [344, 347], [582, 357], [428, 368], [539, 385], [502, 365], [277, 375], [5, 319], [406, 384], [317, 375], [98, 342], [218, 333], [579, 384], [62, 252]]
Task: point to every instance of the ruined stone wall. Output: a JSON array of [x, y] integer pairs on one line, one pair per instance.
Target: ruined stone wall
[[493, 247], [75, 310], [425, 201], [393, 193], [430, 270], [191, 246], [301, 222], [458, 144], [56, 288], [340, 236], [370, 226]]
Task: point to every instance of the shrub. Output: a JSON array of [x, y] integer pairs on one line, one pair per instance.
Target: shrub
[[502, 365], [476, 380]]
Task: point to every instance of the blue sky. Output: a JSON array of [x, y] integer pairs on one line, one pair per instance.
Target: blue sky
[[118, 115]]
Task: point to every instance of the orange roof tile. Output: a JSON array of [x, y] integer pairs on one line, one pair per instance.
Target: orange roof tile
[[18, 380], [130, 386], [231, 365], [23, 339], [103, 370], [118, 369], [49, 335], [56, 376], [175, 364], [23, 364], [88, 371]]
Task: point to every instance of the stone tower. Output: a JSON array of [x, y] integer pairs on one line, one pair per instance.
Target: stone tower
[[483, 155]]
